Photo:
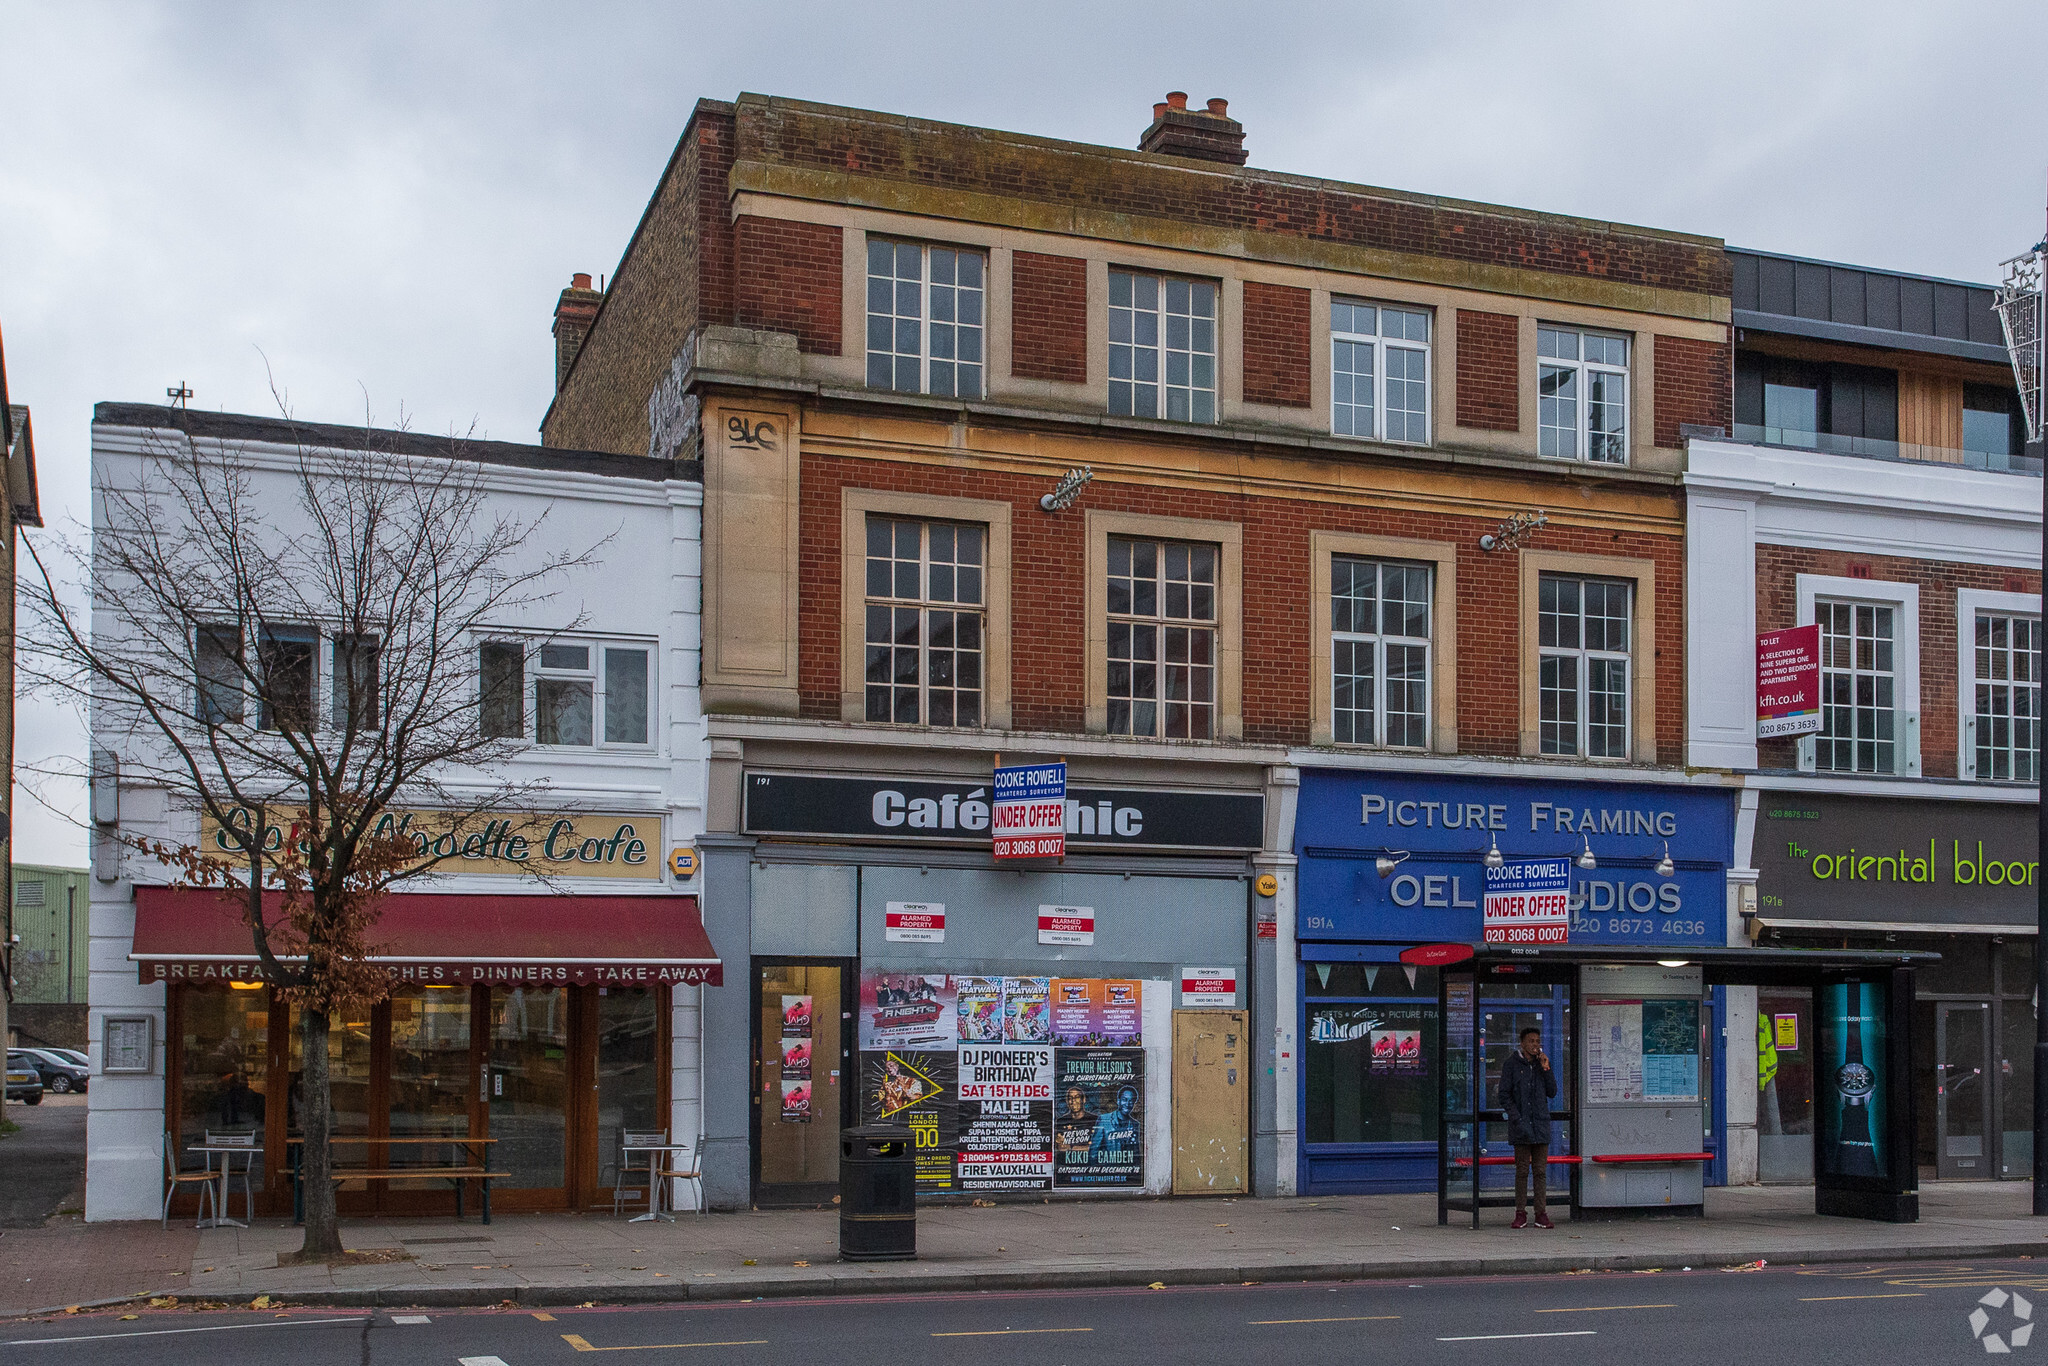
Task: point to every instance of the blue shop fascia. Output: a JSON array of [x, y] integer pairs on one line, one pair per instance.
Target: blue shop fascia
[[1391, 861]]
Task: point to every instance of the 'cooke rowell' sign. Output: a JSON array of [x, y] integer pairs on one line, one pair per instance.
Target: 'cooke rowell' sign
[[960, 813]]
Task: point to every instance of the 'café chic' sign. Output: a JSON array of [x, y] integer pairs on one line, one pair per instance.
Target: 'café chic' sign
[[507, 843]]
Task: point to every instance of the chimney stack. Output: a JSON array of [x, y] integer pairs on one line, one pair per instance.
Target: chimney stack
[[575, 311], [1202, 134]]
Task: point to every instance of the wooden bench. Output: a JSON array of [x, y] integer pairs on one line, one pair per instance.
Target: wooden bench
[[457, 1174]]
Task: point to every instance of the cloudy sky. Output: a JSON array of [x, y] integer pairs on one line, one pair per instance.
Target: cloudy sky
[[382, 200]]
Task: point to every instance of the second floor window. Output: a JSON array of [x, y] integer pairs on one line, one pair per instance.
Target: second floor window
[[1582, 396], [1379, 372], [925, 593], [1583, 665], [1858, 687], [2008, 696], [1162, 639], [1379, 652], [924, 319], [1162, 347]]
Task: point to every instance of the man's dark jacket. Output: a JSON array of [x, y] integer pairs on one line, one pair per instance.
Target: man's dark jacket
[[1526, 1090]]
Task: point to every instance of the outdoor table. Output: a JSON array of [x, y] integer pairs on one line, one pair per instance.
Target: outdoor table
[[475, 1168], [655, 1182], [227, 1153]]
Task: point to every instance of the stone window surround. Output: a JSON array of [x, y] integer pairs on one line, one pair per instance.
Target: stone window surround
[[1969, 602], [854, 507], [1442, 557], [1231, 271], [1228, 537], [1905, 658], [1642, 646]]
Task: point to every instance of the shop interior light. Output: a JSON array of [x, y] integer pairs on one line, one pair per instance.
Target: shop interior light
[[1493, 858], [1586, 859], [1671, 962], [1665, 867], [1387, 862]]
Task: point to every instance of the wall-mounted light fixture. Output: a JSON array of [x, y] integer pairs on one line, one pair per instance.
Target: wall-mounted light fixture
[[1493, 858], [1665, 867], [1514, 531], [1586, 859], [1067, 490], [1387, 862]]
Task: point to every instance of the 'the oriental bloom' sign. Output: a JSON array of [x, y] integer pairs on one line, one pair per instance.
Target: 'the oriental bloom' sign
[[562, 844], [1788, 682], [1030, 816]]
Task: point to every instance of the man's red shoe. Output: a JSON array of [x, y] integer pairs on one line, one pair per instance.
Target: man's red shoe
[[1543, 1221], [1521, 1220]]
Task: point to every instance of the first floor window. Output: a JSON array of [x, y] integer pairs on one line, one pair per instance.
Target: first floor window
[[1584, 632], [2008, 696], [1162, 347], [217, 669], [924, 653], [1858, 687], [1582, 396], [1379, 652], [1162, 639], [501, 690], [355, 673], [287, 659], [583, 694]]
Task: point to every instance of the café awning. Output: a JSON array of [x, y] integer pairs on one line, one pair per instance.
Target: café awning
[[187, 934]]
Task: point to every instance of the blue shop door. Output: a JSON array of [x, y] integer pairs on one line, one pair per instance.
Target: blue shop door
[[1502, 1023]]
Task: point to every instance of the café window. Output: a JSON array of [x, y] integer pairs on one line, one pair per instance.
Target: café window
[[580, 694]]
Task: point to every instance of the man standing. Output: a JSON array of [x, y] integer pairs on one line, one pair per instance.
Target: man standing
[[1527, 1086]]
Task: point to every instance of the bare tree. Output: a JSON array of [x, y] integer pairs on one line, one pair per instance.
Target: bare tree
[[217, 573]]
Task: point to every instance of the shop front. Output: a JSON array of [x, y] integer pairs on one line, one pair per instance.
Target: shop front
[[1044, 1027], [1956, 875], [541, 1023], [1390, 864]]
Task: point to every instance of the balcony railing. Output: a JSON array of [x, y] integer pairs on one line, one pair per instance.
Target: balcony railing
[[1870, 448]]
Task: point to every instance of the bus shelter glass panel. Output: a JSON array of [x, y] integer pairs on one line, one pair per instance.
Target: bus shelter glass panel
[[1458, 1177]]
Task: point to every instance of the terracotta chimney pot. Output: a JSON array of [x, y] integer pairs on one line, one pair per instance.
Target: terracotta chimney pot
[[1177, 99], [1220, 108]]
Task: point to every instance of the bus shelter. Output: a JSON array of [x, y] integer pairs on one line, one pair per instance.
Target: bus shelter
[[1629, 1036]]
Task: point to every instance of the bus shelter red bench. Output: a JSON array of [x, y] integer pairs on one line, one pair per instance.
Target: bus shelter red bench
[[1567, 1158], [1654, 1157]]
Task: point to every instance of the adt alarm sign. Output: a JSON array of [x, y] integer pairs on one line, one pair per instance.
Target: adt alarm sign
[[1529, 902], [1029, 819]]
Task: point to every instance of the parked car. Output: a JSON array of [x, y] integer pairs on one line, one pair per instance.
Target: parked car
[[60, 1073], [24, 1083]]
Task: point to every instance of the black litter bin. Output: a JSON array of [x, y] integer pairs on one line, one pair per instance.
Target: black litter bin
[[877, 1194]]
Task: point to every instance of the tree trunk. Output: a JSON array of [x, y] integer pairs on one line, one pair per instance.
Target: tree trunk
[[316, 1123]]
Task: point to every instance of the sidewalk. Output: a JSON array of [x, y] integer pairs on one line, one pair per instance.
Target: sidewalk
[[559, 1259]]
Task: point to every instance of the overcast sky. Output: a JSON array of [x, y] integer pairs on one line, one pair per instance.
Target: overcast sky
[[384, 199]]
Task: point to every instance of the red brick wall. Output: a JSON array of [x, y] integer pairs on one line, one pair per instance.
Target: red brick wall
[[943, 157], [786, 278], [1049, 317], [708, 252], [1489, 365], [1778, 569], [1276, 359], [1694, 384], [1048, 555]]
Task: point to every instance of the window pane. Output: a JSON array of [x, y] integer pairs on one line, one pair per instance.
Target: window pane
[[219, 680], [354, 667], [565, 656], [625, 697], [501, 689], [562, 711], [285, 669]]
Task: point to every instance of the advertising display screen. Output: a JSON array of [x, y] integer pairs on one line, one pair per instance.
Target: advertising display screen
[[1850, 1083]]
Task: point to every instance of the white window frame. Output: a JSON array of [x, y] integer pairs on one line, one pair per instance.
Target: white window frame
[[924, 605], [532, 671], [1584, 655], [924, 316], [1970, 602], [1905, 660], [1584, 368], [1379, 640], [1162, 622], [1159, 348], [1381, 344]]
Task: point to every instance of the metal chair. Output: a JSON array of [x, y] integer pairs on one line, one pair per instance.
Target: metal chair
[[683, 1164], [244, 1139], [629, 1140], [174, 1180]]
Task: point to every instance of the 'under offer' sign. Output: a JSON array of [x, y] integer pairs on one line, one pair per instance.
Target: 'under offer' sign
[[914, 922], [1066, 924], [1030, 812], [1788, 682], [1529, 902]]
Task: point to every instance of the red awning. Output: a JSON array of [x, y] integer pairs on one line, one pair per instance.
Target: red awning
[[186, 934]]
